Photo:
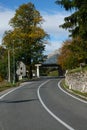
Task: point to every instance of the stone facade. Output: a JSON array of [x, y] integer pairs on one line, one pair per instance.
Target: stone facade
[[77, 81], [21, 70]]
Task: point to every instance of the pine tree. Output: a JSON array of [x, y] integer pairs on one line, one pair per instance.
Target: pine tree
[[76, 23]]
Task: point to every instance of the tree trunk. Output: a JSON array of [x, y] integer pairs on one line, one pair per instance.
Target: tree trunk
[[30, 71]]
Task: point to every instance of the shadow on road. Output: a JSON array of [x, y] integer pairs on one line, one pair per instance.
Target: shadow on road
[[17, 101]]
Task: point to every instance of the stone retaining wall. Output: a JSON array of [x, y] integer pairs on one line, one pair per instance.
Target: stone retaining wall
[[77, 81]]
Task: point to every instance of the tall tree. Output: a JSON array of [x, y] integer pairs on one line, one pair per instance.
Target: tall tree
[[76, 23], [27, 36], [3, 63], [68, 58]]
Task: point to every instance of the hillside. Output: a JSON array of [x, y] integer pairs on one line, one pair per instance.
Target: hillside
[[52, 58]]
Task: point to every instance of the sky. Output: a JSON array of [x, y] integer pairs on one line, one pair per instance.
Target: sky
[[52, 14]]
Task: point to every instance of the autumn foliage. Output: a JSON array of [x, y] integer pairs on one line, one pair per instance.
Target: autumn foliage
[[74, 52]]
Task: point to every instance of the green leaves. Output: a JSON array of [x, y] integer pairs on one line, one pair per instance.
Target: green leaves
[[67, 4], [78, 19], [27, 36], [76, 23]]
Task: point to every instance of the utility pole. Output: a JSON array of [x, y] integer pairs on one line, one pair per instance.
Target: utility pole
[[9, 78], [13, 64]]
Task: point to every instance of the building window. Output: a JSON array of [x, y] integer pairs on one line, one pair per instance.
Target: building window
[[21, 73]]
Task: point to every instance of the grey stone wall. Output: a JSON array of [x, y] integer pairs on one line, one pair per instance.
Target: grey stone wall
[[77, 81]]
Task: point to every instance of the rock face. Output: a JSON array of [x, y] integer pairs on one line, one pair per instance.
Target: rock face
[[77, 81]]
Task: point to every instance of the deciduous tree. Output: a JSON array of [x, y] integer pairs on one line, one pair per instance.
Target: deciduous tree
[[68, 57], [27, 35], [3, 63]]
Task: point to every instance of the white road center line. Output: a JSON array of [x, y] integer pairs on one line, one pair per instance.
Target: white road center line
[[49, 111]]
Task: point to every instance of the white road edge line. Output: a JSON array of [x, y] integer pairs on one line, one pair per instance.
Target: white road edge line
[[10, 91], [49, 111], [81, 100]]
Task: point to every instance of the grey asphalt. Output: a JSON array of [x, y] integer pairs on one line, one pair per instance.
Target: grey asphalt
[[22, 110], [68, 109]]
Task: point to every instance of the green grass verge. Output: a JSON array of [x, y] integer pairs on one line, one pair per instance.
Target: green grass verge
[[79, 69], [5, 85], [80, 93], [53, 73], [63, 85]]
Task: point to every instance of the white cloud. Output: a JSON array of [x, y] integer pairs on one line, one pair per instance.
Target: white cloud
[[50, 47], [52, 22], [50, 25], [5, 16]]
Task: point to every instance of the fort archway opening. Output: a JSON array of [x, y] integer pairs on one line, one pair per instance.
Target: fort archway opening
[[51, 69]]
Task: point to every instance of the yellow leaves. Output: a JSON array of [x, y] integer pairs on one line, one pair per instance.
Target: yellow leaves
[[65, 54], [35, 33]]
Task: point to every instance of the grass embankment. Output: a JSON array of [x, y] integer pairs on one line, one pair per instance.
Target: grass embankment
[[5, 85], [79, 69], [53, 73]]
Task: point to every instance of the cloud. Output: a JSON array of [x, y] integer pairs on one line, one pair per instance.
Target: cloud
[[50, 47], [51, 24], [5, 16]]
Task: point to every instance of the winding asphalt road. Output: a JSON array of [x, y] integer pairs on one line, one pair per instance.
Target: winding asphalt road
[[41, 105]]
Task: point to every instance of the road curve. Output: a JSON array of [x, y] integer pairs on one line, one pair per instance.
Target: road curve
[[70, 110], [23, 109]]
